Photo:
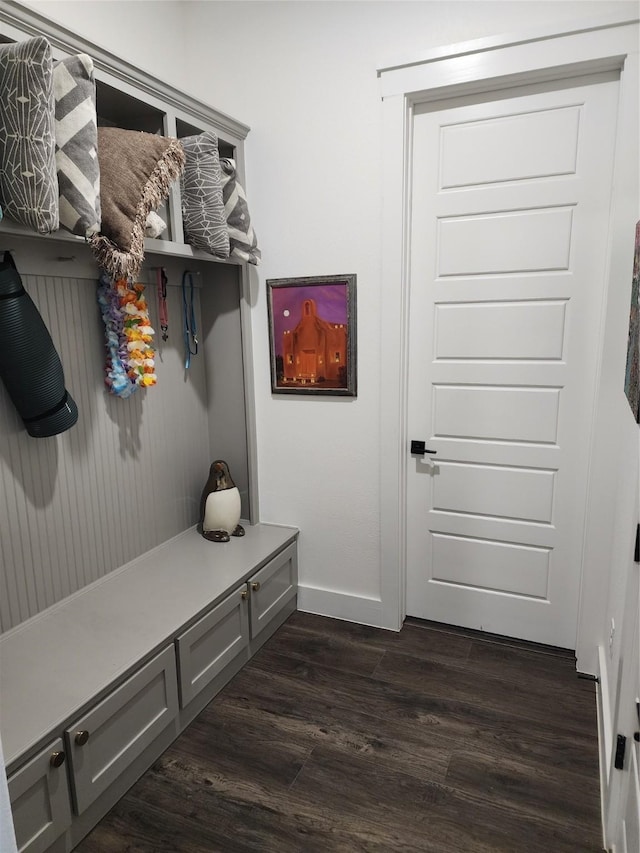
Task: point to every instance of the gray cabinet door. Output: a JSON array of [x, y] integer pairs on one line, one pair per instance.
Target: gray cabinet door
[[40, 801], [103, 743], [273, 587], [213, 642]]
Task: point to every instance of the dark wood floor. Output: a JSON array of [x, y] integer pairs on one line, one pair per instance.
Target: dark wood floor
[[337, 737]]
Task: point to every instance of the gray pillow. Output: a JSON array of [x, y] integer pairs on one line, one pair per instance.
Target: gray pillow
[[205, 224], [76, 137], [242, 237], [28, 181]]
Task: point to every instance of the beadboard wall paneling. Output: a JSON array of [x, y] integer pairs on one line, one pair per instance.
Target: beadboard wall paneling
[[222, 352], [128, 476]]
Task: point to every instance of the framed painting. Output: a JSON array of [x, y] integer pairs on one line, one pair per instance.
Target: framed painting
[[312, 335]]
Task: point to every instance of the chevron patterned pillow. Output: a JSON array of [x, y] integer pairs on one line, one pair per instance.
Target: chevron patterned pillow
[[242, 237], [76, 136], [28, 181], [205, 225]]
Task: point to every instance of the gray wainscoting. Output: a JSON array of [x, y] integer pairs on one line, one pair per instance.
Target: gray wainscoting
[[129, 475]]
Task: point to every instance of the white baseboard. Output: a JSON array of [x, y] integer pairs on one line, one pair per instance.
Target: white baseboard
[[339, 605]]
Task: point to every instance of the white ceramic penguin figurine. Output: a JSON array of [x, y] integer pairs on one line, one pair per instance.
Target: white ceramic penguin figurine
[[220, 505]]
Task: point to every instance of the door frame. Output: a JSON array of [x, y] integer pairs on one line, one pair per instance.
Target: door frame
[[481, 66]]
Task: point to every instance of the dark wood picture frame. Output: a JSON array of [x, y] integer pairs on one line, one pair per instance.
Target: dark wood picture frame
[[312, 335]]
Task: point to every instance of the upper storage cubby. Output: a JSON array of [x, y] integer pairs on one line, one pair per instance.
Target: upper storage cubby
[[134, 100], [183, 128], [118, 109]]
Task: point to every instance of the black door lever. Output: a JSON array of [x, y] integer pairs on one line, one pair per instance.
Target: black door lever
[[418, 448]]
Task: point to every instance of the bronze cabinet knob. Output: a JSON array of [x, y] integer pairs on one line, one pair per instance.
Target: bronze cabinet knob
[[81, 737], [57, 759], [255, 586], [244, 595]]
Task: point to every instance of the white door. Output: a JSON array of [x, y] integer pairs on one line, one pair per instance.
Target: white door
[[630, 825], [621, 800], [624, 804], [509, 213]]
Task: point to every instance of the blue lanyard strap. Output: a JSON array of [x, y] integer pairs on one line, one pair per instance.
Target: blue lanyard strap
[[188, 320]]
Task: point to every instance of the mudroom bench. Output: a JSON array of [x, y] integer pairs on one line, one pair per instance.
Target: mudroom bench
[[96, 687]]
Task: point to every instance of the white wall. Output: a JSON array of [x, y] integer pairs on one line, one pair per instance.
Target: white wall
[[303, 75], [149, 34]]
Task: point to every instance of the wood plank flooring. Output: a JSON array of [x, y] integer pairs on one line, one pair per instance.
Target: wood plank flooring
[[337, 737]]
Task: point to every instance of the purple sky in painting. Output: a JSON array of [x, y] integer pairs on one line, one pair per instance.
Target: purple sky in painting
[[331, 300]]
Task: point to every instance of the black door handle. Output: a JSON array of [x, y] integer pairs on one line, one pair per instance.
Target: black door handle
[[418, 448]]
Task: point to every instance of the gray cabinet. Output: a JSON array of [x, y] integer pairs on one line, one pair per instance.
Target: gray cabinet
[[271, 589], [106, 740], [211, 650], [122, 703], [40, 800], [215, 641]]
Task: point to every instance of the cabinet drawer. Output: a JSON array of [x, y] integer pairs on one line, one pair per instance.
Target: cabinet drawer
[[212, 643], [40, 801], [121, 727], [273, 587]]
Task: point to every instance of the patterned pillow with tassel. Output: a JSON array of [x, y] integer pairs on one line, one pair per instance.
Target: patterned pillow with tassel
[[76, 134], [242, 237]]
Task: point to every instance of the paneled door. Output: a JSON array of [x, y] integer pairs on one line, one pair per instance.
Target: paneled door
[[627, 829], [510, 203], [621, 796]]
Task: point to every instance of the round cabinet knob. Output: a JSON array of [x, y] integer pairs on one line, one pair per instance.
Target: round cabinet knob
[[244, 595], [255, 586], [57, 759], [82, 737]]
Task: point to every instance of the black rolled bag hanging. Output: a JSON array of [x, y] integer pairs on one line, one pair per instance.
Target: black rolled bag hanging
[[29, 364]]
